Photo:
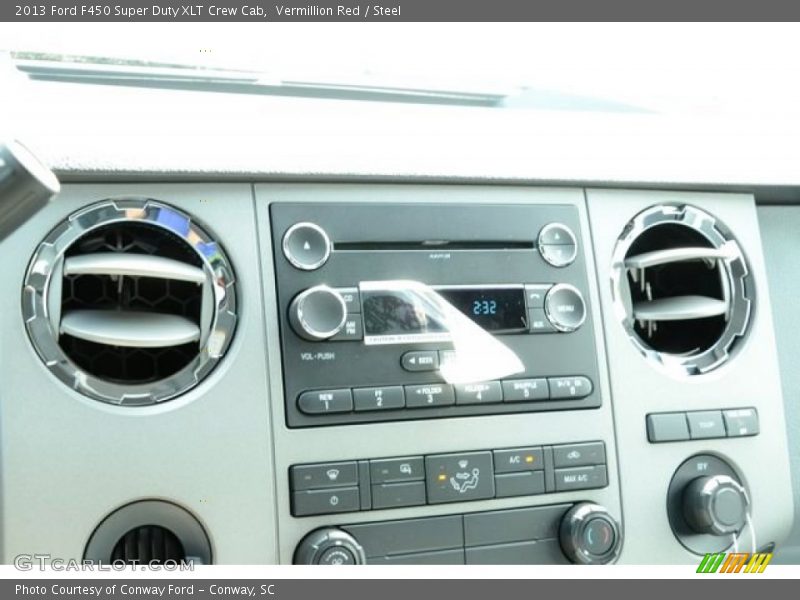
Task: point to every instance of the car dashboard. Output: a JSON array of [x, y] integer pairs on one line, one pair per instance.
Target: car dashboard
[[258, 330]]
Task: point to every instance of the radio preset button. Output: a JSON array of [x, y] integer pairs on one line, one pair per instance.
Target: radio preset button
[[557, 244], [431, 395], [306, 246], [321, 402], [420, 360], [379, 398], [525, 390], [569, 388], [479, 393], [564, 307]]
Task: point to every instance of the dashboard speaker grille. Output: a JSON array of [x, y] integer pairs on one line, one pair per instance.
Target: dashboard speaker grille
[[130, 302], [682, 288]]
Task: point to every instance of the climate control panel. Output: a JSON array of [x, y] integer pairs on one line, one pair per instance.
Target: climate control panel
[[584, 533], [349, 486]]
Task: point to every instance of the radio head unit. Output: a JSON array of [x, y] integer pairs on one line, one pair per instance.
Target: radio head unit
[[401, 311]]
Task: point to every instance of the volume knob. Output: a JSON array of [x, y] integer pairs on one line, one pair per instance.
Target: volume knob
[[318, 313]]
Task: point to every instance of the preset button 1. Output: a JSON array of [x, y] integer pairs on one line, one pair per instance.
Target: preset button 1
[[325, 401]]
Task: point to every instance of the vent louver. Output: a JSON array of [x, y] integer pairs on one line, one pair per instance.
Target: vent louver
[[681, 288], [148, 545], [130, 302]]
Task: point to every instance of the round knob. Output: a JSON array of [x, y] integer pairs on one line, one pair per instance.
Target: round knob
[[590, 535], [564, 307], [329, 546], [306, 246], [557, 244], [716, 505], [318, 313]]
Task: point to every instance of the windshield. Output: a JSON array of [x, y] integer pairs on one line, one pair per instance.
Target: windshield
[[693, 69]]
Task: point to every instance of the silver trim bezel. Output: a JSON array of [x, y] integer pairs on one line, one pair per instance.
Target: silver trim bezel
[[540, 245], [47, 260], [307, 330], [737, 281], [292, 259], [554, 321]]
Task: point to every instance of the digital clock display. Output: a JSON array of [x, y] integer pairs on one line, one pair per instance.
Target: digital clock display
[[499, 310], [495, 309]]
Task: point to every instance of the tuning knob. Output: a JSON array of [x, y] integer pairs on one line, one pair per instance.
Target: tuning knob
[[716, 505], [318, 313], [565, 307], [590, 535], [329, 546]]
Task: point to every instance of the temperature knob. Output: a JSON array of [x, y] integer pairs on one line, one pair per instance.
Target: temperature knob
[[590, 535], [329, 546], [318, 313], [716, 505]]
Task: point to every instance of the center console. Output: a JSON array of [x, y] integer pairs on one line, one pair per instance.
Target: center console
[[447, 396]]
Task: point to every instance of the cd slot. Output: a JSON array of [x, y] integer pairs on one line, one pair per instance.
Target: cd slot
[[433, 245]]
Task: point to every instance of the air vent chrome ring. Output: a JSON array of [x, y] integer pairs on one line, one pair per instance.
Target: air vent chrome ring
[[206, 267], [673, 236]]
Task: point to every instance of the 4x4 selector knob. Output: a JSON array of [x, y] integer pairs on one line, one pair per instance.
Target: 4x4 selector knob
[[716, 505], [329, 546], [590, 535], [318, 313]]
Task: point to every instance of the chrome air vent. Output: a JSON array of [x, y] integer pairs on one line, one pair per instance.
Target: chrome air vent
[[130, 302], [681, 288], [150, 532]]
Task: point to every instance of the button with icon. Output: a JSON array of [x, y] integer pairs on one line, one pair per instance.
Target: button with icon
[[324, 475]]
